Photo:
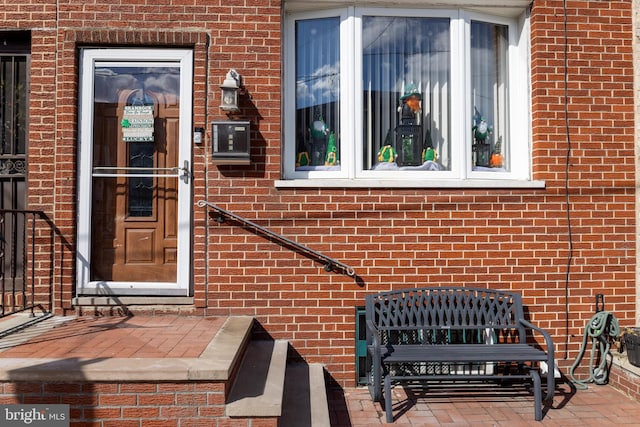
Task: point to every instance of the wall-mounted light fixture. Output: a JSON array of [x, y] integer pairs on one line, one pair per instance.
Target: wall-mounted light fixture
[[230, 88]]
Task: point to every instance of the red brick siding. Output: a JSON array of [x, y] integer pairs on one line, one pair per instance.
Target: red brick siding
[[600, 109], [164, 404], [511, 239], [514, 239], [625, 381]]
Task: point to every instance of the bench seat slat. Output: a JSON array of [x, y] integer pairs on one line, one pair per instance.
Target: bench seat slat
[[461, 376], [462, 353]]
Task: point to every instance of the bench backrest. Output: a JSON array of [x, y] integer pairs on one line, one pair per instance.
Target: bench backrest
[[446, 308]]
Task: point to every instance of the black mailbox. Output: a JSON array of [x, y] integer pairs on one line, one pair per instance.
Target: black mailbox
[[230, 142]]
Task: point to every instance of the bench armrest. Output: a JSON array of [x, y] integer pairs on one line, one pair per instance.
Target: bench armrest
[[551, 364], [547, 337], [374, 333]]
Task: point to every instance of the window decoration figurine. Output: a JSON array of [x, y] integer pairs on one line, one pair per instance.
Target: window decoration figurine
[[481, 145], [497, 161], [319, 133], [386, 153], [331, 158], [409, 131], [318, 148], [302, 159], [429, 154]]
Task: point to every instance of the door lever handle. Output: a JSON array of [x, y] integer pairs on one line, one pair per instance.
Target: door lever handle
[[186, 173]]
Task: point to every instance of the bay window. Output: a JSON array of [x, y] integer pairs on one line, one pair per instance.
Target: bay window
[[392, 95]]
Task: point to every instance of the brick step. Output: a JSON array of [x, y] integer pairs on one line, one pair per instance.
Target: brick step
[[252, 374]]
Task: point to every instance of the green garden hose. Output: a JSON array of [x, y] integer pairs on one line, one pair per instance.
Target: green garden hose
[[602, 326]]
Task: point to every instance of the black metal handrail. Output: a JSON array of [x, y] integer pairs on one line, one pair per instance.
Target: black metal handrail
[[330, 264], [20, 234]]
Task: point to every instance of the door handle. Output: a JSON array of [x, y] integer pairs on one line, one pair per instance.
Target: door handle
[[186, 173]]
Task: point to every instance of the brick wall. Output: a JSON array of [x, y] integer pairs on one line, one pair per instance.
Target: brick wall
[[600, 121], [510, 239], [516, 239], [625, 379], [167, 404]]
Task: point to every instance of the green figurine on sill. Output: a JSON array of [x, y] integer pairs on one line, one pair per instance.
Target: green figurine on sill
[[332, 151], [303, 159], [386, 153], [429, 154]]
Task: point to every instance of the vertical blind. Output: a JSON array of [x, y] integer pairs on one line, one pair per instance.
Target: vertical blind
[[400, 52], [488, 80], [317, 91]]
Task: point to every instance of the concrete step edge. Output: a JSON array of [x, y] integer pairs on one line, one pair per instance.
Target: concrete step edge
[[305, 397], [259, 385], [318, 391], [229, 344]]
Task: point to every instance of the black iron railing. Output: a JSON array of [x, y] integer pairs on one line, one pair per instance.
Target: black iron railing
[[26, 241], [221, 215]]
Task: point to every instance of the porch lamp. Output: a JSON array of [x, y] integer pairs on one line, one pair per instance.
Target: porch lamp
[[230, 88]]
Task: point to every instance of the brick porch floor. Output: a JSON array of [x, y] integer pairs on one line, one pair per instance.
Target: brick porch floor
[[135, 336], [485, 406], [177, 336]]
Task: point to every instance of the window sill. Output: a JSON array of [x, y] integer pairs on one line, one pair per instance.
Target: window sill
[[397, 183]]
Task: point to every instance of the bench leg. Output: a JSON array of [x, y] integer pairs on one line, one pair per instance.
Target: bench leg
[[551, 382], [537, 393], [375, 381], [387, 399]]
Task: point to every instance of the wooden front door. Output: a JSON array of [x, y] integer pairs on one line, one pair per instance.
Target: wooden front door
[[139, 194], [135, 204]]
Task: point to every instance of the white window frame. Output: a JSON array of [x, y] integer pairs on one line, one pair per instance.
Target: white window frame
[[346, 97], [351, 173]]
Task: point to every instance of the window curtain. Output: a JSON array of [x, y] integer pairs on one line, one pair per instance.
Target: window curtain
[[489, 45], [399, 55], [318, 94]]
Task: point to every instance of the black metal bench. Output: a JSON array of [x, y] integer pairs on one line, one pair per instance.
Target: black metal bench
[[453, 333]]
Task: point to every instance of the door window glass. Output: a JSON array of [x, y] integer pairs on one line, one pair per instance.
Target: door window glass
[[135, 158]]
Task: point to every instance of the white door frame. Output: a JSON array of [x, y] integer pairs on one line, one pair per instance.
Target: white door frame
[[88, 61]]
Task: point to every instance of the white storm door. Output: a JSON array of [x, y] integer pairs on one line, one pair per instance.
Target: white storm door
[[134, 201]]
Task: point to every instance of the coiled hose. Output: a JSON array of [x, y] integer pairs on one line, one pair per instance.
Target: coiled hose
[[602, 326]]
